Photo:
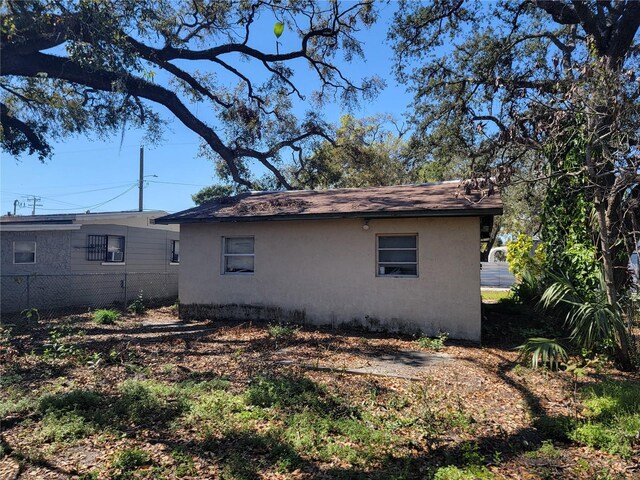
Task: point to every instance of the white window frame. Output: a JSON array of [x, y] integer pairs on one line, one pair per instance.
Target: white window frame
[[35, 246], [381, 264], [225, 255]]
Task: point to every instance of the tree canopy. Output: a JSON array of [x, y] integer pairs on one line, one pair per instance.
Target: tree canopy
[[365, 153], [75, 66], [519, 88]]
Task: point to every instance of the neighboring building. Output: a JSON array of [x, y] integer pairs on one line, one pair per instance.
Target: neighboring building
[[92, 259], [403, 258]]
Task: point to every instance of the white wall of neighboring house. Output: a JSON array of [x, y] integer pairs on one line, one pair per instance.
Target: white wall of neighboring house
[[327, 270]]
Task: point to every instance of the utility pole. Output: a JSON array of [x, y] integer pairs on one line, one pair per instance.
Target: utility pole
[[140, 184], [34, 201]]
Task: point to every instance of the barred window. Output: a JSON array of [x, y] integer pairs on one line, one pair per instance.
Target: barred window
[[105, 248]]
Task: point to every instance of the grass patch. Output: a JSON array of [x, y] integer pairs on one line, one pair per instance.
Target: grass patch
[[546, 450], [105, 316], [16, 402], [69, 416], [436, 343], [126, 462], [64, 427], [184, 464], [612, 410], [469, 473], [495, 295], [148, 403]]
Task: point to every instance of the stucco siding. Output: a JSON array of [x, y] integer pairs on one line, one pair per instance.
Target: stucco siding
[[52, 252], [327, 269]]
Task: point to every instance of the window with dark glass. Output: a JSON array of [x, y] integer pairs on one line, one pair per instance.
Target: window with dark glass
[[24, 251], [105, 248], [238, 255], [175, 251], [397, 256]]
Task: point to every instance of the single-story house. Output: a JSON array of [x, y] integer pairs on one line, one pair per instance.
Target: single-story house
[[403, 258], [91, 259]]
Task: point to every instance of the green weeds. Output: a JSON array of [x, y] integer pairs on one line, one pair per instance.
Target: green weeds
[[282, 332], [137, 307], [105, 316], [436, 343], [613, 418], [126, 462]]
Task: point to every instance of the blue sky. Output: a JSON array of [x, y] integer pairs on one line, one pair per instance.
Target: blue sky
[[102, 175]]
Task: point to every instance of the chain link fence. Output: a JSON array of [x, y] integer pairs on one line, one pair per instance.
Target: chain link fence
[[50, 293]]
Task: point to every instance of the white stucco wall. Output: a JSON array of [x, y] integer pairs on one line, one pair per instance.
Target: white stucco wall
[[327, 268]]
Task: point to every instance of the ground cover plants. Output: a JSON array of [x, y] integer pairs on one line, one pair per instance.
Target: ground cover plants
[[162, 399]]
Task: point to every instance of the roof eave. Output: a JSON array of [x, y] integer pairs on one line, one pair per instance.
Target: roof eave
[[334, 216]]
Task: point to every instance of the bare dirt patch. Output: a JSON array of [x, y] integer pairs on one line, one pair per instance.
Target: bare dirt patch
[[214, 400]]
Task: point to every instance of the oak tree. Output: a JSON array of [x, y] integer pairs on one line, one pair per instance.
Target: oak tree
[[80, 66], [520, 86]]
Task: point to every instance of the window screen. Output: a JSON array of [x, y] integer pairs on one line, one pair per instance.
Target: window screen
[[397, 256], [238, 255]]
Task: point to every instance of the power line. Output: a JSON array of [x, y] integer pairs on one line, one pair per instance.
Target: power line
[[120, 185], [177, 183], [111, 199]]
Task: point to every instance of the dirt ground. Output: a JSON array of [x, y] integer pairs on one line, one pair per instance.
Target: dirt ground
[[500, 398]]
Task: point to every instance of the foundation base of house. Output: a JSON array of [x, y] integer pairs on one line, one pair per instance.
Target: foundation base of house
[[274, 314], [258, 313]]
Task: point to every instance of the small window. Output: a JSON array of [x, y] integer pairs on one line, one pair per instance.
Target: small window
[[397, 256], [175, 251], [105, 248], [115, 249], [24, 252], [238, 255]]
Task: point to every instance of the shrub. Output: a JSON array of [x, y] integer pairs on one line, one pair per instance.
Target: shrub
[[105, 316], [523, 258], [31, 314], [436, 343], [137, 306]]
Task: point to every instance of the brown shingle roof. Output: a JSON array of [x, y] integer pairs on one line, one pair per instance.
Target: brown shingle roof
[[430, 199]]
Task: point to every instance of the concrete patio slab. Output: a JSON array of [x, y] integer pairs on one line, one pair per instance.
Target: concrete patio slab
[[406, 364]]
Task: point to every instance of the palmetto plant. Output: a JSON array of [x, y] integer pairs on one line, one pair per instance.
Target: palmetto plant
[[593, 323], [543, 352]]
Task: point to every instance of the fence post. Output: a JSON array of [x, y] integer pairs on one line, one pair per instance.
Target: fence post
[[28, 291], [124, 302]]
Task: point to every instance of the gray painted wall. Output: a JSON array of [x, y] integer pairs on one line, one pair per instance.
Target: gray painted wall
[[62, 276]]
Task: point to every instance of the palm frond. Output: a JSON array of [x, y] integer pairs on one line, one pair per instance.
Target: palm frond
[[545, 352], [592, 321]]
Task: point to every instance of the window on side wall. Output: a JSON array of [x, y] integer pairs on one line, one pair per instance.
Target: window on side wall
[[237, 255], [24, 251], [105, 248], [175, 251], [397, 256]]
